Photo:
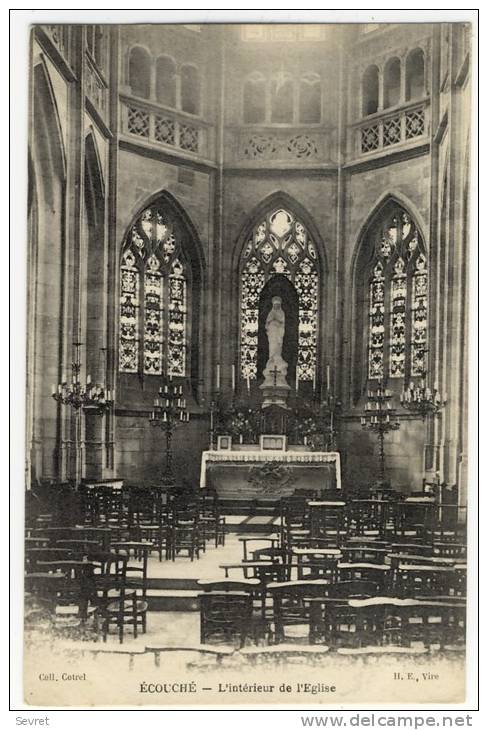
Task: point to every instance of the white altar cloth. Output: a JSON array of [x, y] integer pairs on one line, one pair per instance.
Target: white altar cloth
[[294, 458]]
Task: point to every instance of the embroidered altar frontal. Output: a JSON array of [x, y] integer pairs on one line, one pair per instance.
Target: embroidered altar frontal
[[254, 474]]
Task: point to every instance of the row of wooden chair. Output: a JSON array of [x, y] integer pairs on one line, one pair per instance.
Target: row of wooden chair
[[348, 614]]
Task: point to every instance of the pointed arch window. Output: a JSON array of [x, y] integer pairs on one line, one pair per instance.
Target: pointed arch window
[[397, 298], [310, 99], [140, 72], [166, 81], [280, 245], [155, 287], [415, 75]]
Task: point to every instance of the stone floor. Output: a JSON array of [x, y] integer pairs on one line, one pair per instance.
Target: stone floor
[[207, 566]]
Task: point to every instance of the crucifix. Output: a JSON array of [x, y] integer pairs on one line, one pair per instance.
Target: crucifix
[[275, 372]]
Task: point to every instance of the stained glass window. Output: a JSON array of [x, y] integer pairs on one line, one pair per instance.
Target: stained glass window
[[419, 317], [129, 314], [280, 244], [397, 301], [397, 320], [153, 258], [177, 320], [376, 322]]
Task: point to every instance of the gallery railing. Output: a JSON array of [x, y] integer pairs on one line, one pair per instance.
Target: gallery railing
[[162, 126], [390, 129]]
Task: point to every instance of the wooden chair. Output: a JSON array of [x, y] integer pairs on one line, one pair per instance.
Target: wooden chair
[[369, 516], [352, 589], [136, 569], [291, 607], [413, 580], [264, 571], [119, 604], [226, 617], [379, 574], [212, 523], [294, 521], [247, 539], [364, 554], [453, 550], [328, 521], [312, 563], [416, 519], [78, 589], [186, 536]]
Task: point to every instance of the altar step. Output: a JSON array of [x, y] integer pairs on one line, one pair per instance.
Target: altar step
[[250, 507], [262, 524]]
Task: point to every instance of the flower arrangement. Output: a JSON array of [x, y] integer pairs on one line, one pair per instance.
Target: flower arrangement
[[239, 422]]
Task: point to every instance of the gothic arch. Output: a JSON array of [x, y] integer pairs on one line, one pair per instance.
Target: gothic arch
[[390, 262], [394, 196], [190, 248], [179, 211], [94, 235], [46, 266], [303, 262], [279, 199]]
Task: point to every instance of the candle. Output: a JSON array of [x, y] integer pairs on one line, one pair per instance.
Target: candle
[[313, 382], [328, 377], [233, 377], [248, 384], [88, 379], [296, 380], [217, 379], [54, 389]]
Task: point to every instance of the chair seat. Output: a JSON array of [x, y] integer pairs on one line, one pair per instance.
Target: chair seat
[[115, 593], [114, 607]]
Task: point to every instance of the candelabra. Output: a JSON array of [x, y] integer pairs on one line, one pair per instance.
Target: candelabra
[[329, 408], [421, 399], [380, 418], [170, 410], [80, 396], [214, 414]]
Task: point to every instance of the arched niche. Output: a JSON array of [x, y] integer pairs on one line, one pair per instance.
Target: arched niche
[[279, 286], [370, 90], [139, 72], [392, 83], [415, 75]]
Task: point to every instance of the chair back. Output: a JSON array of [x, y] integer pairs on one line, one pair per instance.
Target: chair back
[[225, 617]]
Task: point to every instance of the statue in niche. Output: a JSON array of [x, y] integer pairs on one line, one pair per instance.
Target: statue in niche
[[275, 329], [276, 367]]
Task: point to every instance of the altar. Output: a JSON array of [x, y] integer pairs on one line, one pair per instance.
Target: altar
[[245, 471]]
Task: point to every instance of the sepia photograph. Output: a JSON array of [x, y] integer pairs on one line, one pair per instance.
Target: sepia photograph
[[247, 363]]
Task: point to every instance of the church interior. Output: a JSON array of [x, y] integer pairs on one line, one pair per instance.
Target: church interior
[[247, 345]]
